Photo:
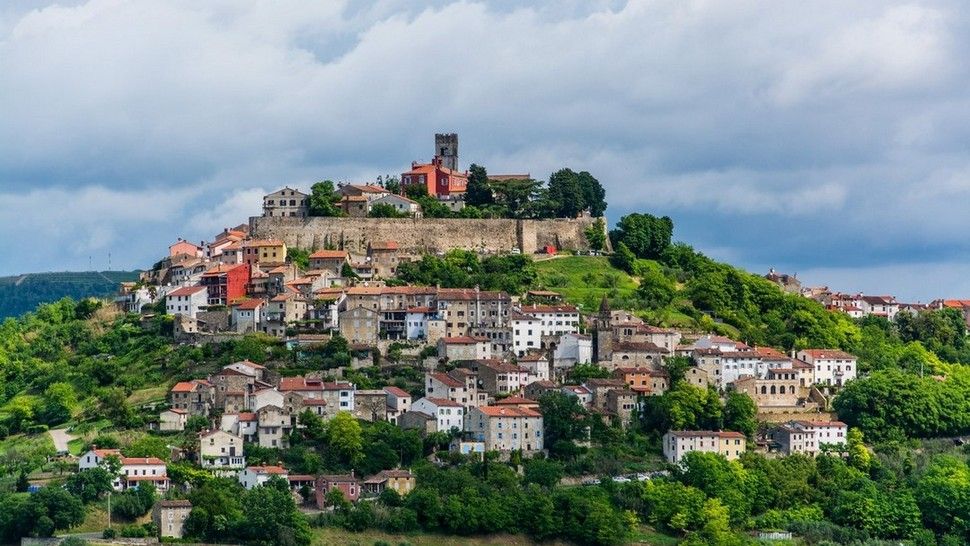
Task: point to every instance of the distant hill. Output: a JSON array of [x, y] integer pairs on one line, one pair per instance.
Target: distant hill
[[22, 293]]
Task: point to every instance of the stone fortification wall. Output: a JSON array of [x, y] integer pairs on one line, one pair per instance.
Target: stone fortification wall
[[426, 234]]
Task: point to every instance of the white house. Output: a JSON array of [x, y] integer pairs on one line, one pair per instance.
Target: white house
[[398, 402], [400, 203], [554, 320], [826, 432], [139, 470], [526, 333], [831, 366], [416, 322], [96, 457], [733, 365], [572, 349], [254, 476], [247, 315], [187, 300], [448, 413], [172, 420], [266, 397], [537, 364]]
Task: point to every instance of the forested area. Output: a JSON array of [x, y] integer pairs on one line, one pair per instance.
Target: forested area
[[21, 294]]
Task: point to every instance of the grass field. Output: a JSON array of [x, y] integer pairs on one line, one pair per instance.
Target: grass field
[[584, 280]]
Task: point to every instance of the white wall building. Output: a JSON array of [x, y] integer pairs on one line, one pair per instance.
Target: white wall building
[[448, 413], [832, 367]]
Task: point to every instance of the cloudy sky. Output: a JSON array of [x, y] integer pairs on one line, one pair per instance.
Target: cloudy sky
[[827, 139]]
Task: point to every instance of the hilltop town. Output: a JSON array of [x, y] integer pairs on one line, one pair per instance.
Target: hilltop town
[[355, 344]]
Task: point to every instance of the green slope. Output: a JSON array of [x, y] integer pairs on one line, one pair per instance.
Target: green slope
[[584, 280], [23, 293]]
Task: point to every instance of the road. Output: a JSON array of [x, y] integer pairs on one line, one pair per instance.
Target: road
[[60, 438]]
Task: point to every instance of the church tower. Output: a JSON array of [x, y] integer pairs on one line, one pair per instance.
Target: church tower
[[446, 148], [603, 334]]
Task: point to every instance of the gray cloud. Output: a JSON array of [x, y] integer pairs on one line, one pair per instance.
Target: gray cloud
[[802, 135]]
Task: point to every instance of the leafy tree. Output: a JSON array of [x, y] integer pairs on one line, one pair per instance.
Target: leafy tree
[[384, 210], [88, 485], [565, 421], [943, 496], [656, 291], [60, 509], [859, 455], [566, 194], [596, 235], [272, 517], [516, 196], [196, 423], [148, 446], [644, 234], [344, 436], [60, 400], [740, 414], [298, 256], [324, 199], [543, 472], [478, 193]]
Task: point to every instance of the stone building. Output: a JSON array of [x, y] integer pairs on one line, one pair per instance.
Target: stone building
[[286, 202], [169, 516]]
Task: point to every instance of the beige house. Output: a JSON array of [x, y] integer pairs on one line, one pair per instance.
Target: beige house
[[286, 202], [359, 325], [506, 428], [195, 397], [464, 348], [169, 516], [330, 260], [678, 443], [401, 481], [172, 420], [220, 450]]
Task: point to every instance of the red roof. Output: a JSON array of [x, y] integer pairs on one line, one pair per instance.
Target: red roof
[[222, 269], [442, 402], [515, 401], [705, 433], [447, 380], [276, 470], [248, 416], [133, 461], [460, 340], [822, 423], [187, 291], [396, 391], [509, 411], [384, 245], [329, 254], [300, 383], [106, 452]]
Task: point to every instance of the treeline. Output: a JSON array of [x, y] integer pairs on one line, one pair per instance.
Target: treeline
[[485, 498], [21, 295]]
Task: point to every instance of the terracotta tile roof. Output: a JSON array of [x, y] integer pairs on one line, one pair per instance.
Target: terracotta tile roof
[[442, 402], [368, 188], [469, 294], [384, 245], [176, 410], [102, 453], [515, 401], [329, 254], [508, 411], [447, 380], [222, 269], [264, 242], [141, 461], [638, 347], [248, 416], [827, 354], [396, 391], [813, 424], [187, 291], [300, 383], [248, 305], [274, 470]]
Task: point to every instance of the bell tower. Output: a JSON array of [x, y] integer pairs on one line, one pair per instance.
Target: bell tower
[[446, 148], [603, 335]]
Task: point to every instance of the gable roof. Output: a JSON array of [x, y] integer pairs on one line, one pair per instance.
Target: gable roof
[[187, 291], [329, 254], [508, 411]]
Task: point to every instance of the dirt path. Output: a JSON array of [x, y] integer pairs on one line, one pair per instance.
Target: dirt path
[[60, 438]]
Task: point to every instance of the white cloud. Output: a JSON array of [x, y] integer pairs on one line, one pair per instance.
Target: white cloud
[[850, 118]]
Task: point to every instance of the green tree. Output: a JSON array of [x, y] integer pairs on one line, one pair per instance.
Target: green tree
[[88, 485], [543, 472], [345, 437], [565, 421], [740, 414], [60, 400], [596, 235], [478, 193], [566, 194], [644, 234], [324, 199], [656, 291], [859, 455], [272, 518], [384, 210], [61, 509]]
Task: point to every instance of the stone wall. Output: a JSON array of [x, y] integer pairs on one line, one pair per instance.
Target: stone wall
[[417, 236]]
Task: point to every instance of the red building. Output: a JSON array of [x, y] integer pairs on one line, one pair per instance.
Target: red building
[[226, 283], [439, 180], [349, 485]]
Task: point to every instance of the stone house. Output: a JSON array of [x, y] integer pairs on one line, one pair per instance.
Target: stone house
[[172, 420], [422, 422], [506, 428], [370, 405], [398, 402], [330, 260], [338, 395], [383, 256], [273, 427], [536, 389], [620, 404], [463, 348], [599, 388], [196, 397], [169, 517], [286, 202], [637, 353], [359, 325], [497, 377]]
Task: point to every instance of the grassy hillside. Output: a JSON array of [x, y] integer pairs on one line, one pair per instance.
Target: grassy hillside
[[23, 293], [584, 280]]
